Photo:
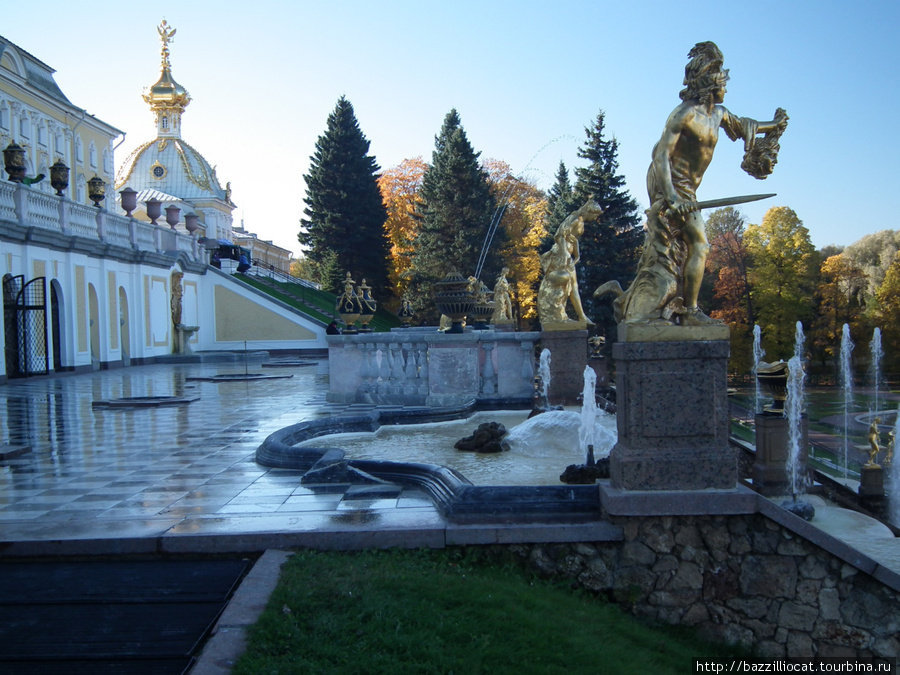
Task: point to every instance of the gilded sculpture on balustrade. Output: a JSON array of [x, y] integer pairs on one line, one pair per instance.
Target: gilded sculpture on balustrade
[[502, 301], [671, 267], [560, 281]]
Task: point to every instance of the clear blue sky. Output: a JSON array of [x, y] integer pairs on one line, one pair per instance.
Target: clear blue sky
[[525, 76]]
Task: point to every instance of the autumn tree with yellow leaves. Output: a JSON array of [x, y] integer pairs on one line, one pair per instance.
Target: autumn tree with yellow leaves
[[400, 192]]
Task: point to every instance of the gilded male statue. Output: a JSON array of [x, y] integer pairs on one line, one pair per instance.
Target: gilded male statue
[[671, 268]]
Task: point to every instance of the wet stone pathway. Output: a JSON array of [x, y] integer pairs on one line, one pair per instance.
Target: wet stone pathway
[[122, 473]]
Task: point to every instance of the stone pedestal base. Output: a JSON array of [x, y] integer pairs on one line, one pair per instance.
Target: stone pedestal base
[[568, 357], [771, 470], [871, 482], [672, 416], [183, 335]]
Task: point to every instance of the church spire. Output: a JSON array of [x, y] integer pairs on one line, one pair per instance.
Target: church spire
[[167, 99]]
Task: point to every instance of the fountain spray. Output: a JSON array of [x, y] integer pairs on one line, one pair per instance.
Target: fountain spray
[[893, 478], [847, 386], [793, 408], [588, 415], [758, 354], [875, 347], [544, 372]]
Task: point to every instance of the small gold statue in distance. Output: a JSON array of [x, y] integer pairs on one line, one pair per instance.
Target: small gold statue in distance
[[874, 437]]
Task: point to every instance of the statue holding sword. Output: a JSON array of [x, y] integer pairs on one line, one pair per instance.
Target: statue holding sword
[[671, 267]]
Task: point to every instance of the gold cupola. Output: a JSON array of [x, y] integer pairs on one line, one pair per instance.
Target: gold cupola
[[167, 99]]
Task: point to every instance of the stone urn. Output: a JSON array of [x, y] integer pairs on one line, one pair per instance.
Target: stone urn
[[453, 299], [482, 311], [173, 215], [774, 377], [405, 314], [191, 222], [154, 209], [128, 201]]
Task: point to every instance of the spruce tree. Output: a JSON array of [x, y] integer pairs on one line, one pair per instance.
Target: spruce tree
[[611, 246], [344, 211], [455, 212], [561, 202]]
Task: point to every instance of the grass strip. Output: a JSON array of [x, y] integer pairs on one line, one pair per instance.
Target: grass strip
[[450, 611]]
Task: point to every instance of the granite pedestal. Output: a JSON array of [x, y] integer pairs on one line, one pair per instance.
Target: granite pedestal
[[672, 410], [568, 357], [771, 470]]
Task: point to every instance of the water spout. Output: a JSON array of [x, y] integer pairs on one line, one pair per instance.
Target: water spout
[[793, 408], [758, 354], [544, 373], [588, 415], [893, 477], [875, 368], [847, 386]]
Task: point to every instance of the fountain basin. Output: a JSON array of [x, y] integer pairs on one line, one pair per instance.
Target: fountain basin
[[455, 495]]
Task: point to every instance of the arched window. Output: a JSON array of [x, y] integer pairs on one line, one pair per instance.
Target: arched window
[[165, 122], [92, 154]]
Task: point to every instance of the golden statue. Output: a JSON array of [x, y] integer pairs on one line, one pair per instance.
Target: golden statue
[[175, 301], [674, 256], [560, 282], [874, 437], [502, 302]]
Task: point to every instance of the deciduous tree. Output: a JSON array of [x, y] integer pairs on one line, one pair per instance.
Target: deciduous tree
[[839, 300], [400, 187], [344, 210], [783, 277], [887, 314], [523, 208]]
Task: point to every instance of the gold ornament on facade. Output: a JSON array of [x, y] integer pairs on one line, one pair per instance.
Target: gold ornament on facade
[[559, 283], [158, 171], [670, 270]]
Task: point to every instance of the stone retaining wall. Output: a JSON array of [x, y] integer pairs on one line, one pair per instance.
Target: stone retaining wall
[[740, 579]]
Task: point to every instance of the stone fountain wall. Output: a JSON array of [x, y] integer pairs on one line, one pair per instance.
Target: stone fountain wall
[[739, 579]]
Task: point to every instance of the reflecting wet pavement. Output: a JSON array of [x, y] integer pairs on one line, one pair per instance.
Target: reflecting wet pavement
[[181, 474]]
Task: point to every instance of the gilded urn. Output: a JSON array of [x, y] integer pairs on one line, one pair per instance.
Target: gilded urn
[[774, 377], [453, 299]]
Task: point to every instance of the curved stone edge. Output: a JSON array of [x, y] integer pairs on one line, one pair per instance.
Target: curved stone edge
[[452, 493]]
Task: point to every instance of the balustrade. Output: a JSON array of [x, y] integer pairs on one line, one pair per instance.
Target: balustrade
[[29, 207], [396, 368]]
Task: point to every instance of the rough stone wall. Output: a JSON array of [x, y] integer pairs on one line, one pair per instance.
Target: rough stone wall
[[738, 579]]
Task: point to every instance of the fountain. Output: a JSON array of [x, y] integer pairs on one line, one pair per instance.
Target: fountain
[[875, 367], [793, 410], [544, 375], [893, 476], [847, 386], [758, 354]]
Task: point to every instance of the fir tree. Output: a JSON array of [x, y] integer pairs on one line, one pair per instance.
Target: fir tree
[[561, 202], [455, 212], [611, 246], [344, 211]]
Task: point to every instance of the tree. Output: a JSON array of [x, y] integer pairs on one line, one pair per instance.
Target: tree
[[400, 192], [887, 314], [561, 201], [611, 246], [783, 277], [839, 300], [345, 214], [455, 211], [873, 254], [524, 210]]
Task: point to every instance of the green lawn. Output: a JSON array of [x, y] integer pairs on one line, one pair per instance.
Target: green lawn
[[450, 611]]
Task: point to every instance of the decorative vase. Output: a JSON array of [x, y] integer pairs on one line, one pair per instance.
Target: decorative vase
[[59, 177], [482, 311], [405, 314], [96, 190], [154, 209], [14, 162], [173, 215], [129, 200], [453, 299], [774, 377], [191, 222]]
